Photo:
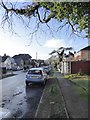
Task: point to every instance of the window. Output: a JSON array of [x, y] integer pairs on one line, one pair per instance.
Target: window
[[38, 72]]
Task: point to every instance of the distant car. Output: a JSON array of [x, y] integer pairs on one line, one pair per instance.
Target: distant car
[[36, 75], [47, 69], [5, 113]]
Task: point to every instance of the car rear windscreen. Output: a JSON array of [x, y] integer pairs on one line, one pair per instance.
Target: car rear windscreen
[[38, 72]]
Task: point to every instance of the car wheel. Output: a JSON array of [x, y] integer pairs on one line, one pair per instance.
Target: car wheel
[[27, 83]]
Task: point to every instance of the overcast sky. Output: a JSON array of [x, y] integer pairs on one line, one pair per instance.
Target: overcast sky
[[43, 42]]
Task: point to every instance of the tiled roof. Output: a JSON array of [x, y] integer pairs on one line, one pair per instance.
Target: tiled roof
[[86, 48], [22, 56], [4, 58]]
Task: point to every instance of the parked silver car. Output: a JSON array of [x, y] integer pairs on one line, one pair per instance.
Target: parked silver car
[[36, 75], [47, 69]]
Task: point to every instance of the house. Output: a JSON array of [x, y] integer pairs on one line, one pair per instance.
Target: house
[[42, 62], [83, 54], [2, 65], [78, 63], [4, 57], [81, 63], [34, 63], [2, 60], [10, 63], [69, 57], [53, 59], [7, 62], [66, 63], [22, 60]]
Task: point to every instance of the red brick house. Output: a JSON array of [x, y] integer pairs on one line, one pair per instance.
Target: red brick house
[[83, 54], [81, 63]]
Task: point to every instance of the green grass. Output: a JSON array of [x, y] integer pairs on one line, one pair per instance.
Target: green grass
[[83, 94], [83, 83], [54, 100], [51, 74], [81, 80], [75, 76], [52, 105]]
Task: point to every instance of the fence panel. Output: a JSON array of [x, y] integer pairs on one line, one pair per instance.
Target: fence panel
[[80, 67]]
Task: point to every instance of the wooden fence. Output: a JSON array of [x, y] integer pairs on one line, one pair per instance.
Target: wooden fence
[[80, 67]]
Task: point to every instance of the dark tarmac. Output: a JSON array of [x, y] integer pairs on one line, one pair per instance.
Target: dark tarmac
[[22, 101]]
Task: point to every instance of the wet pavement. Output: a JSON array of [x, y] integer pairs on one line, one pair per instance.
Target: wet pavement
[[22, 101]]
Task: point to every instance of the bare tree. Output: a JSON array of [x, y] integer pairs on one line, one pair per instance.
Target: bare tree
[[74, 14], [60, 52]]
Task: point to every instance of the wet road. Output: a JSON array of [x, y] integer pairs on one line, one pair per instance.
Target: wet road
[[22, 101]]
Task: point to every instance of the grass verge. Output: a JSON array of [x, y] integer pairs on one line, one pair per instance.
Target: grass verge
[[82, 81], [51, 103]]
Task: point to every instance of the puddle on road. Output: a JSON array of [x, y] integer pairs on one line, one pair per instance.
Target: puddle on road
[[18, 91], [24, 101], [17, 105], [4, 102], [17, 113], [20, 103]]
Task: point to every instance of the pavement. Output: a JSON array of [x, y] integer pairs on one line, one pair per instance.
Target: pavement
[[10, 73], [76, 106]]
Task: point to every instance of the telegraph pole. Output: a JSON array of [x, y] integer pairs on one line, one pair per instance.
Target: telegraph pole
[[36, 55]]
